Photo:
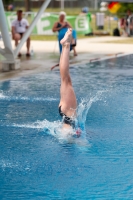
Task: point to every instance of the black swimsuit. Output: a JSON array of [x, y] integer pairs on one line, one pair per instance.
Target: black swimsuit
[[66, 120], [21, 34], [59, 25]]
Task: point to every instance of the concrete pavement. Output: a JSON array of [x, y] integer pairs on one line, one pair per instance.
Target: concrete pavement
[[46, 54], [86, 45]]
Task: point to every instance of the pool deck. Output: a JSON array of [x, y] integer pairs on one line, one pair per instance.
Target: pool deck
[[46, 54]]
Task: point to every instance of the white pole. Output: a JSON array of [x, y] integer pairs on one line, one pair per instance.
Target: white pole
[[62, 4], [96, 5], [8, 51], [29, 30], [2, 51]]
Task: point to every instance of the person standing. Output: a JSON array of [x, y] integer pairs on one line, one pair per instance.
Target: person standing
[[61, 26], [129, 23], [126, 24], [19, 27]]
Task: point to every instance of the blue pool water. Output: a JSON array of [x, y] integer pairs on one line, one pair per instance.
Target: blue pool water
[[37, 163]]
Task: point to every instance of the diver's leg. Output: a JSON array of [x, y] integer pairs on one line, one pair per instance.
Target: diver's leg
[[64, 59], [68, 100]]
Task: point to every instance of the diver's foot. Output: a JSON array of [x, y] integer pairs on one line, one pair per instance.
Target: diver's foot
[[67, 38]]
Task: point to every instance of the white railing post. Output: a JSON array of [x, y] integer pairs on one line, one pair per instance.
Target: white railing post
[[7, 52], [62, 4]]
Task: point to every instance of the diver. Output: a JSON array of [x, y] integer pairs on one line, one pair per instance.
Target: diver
[[68, 101]]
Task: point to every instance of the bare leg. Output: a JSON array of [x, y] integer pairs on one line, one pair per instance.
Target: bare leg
[[64, 63], [28, 45], [17, 37], [16, 43], [74, 47], [74, 51], [68, 101]]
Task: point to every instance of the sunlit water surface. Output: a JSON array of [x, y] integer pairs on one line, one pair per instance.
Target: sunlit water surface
[[38, 162]]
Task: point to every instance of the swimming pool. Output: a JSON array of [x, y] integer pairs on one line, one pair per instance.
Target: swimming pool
[[35, 164]]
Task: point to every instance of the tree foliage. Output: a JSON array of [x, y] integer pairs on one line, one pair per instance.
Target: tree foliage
[[26, 2], [124, 8], [6, 2]]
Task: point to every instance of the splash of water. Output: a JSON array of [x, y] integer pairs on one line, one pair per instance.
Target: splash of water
[[2, 96], [71, 134], [83, 109], [45, 125], [22, 98], [55, 128]]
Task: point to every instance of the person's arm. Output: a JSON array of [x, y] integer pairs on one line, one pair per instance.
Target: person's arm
[[13, 31], [27, 24], [54, 66], [55, 28], [68, 25]]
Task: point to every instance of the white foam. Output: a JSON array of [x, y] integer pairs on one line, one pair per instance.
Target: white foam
[[7, 164], [38, 125], [83, 109], [2, 96], [21, 98]]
